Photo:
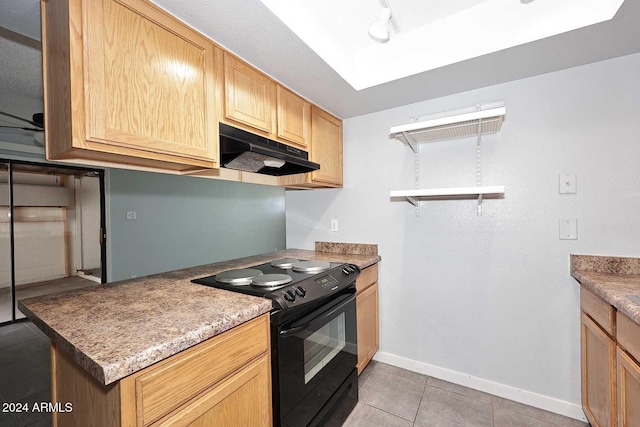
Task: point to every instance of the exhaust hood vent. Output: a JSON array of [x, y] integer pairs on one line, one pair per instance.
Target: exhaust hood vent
[[244, 151]]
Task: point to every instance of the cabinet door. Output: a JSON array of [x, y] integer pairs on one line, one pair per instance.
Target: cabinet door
[[326, 147], [294, 117], [149, 81], [598, 374], [628, 391], [248, 95], [244, 399], [367, 312]]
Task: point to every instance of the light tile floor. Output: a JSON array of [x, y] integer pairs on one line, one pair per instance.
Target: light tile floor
[[394, 397], [389, 396]]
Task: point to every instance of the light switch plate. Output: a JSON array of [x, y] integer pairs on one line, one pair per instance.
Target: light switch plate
[[568, 183], [334, 225], [568, 229]]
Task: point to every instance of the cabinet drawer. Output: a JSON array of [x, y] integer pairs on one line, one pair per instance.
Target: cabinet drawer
[[599, 310], [628, 334], [174, 381], [367, 277]]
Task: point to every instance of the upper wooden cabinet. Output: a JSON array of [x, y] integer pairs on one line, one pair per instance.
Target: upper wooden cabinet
[[127, 83], [294, 117], [249, 95], [326, 147]]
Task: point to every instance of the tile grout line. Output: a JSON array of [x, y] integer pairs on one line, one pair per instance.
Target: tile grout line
[[424, 390], [493, 416]]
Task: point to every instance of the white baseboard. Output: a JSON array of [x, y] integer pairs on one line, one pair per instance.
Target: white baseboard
[[522, 396]]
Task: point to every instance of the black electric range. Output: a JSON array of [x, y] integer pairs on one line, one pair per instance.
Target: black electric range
[[313, 336], [309, 284]]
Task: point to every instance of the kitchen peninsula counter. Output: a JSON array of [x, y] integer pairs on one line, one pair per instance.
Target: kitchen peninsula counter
[[115, 330], [612, 279]]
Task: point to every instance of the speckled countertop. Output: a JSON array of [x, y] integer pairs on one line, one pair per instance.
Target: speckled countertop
[[117, 329], [611, 278]]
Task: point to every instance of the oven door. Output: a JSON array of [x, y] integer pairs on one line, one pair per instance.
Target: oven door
[[316, 365]]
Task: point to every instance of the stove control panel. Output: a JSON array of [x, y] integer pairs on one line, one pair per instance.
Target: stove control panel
[[326, 281], [315, 287]]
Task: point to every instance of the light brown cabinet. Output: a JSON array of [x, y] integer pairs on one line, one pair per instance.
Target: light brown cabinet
[[610, 368], [125, 82], [256, 103], [367, 315], [628, 391], [598, 374], [294, 117], [326, 148], [249, 95], [224, 381]]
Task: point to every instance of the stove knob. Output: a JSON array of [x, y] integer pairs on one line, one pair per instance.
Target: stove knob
[[346, 271], [301, 291], [290, 296], [352, 268]]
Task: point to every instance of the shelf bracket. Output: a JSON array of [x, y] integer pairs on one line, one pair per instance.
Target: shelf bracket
[[479, 204], [415, 202], [410, 141]]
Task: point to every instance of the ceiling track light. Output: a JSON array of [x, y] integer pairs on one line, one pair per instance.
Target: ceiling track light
[[380, 29]]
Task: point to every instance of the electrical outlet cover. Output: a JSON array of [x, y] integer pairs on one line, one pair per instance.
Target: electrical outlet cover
[[568, 229]]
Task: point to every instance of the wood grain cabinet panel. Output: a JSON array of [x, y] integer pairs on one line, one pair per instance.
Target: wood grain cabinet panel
[[367, 277], [294, 117], [249, 95], [326, 147], [223, 381], [242, 400], [368, 331], [138, 84], [628, 391], [599, 310], [628, 335], [598, 374]]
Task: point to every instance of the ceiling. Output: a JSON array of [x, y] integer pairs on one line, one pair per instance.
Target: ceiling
[[251, 30], [433, 33]]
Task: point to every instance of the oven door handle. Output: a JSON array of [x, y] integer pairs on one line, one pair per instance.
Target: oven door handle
[[321, 318]]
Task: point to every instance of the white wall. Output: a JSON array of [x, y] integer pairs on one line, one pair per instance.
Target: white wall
[[488, 301], [40, 245], [88, 232]]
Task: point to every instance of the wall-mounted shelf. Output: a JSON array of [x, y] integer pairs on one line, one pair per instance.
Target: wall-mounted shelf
[[416, 196], [480, 122], [454, 125]]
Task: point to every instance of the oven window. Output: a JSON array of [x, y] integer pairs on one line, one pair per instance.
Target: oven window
[[322, 346]]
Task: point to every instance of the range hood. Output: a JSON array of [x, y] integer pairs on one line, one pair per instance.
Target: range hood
[[244, 151]]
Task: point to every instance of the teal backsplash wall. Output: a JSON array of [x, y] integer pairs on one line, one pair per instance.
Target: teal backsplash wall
[[185, 221]]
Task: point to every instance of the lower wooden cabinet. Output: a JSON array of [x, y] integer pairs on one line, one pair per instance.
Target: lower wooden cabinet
[[237, 401], [598, 374], [610, 364], [367, 316], [368, 336], [224, 381], [628, 391]]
